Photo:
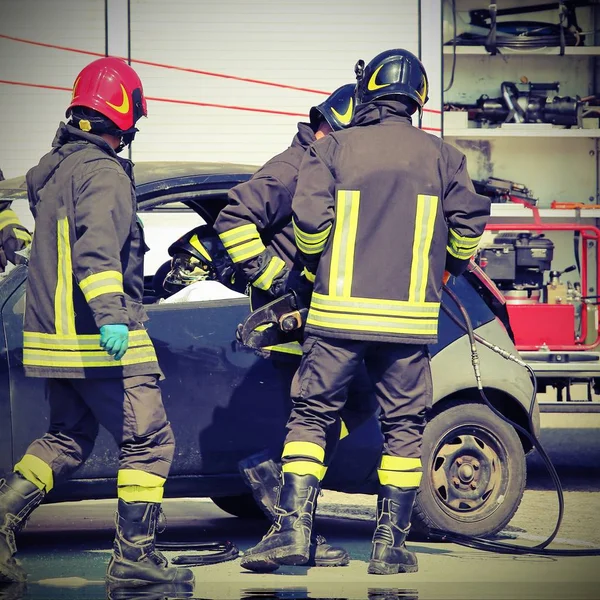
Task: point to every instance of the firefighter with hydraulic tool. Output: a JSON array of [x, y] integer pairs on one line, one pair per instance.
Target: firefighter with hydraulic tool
[[13, 236], [84, 330], [382, 210], [256, 228]]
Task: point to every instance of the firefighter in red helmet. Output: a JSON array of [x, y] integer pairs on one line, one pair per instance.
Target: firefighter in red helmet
[[84, 332]]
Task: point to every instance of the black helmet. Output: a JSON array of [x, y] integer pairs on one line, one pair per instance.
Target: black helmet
[[392, 73], [337, 110], [198, 255]]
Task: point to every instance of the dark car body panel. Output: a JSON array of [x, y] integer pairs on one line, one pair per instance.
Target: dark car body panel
[[223, 401]]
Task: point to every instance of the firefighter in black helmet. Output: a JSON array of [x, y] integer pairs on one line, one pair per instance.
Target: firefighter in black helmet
[[256, 228], [200, 260], [84, 329], [381, 211]]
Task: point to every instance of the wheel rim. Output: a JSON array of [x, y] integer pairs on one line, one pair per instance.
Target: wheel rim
[[469, 473]]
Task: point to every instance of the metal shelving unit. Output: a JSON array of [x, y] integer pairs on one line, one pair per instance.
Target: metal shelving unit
[[550, 51], [520, 131]]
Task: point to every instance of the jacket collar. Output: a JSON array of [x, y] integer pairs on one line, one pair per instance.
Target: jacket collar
[[67, 133], [380, 111], [305, 136]]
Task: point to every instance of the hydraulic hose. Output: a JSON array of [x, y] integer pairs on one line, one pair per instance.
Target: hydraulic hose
[[481, 543]]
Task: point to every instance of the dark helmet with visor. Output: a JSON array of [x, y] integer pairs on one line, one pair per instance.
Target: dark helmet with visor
[[197, 256], [337, 109], [395, 72]]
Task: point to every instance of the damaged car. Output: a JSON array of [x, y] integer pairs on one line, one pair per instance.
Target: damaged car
[[226, 403]]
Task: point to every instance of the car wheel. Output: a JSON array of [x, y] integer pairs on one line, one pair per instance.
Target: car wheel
[[242, 506], [474, 472]]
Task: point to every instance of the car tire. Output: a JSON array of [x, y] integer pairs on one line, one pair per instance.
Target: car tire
[[242, 506], [474, 472]]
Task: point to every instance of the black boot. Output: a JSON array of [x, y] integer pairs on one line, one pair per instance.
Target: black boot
[[389, 554], [18, 498], [288, 540], [135, 560], [263, 475]]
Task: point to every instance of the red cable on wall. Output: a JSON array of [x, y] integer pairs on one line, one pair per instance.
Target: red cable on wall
[[196, 71]]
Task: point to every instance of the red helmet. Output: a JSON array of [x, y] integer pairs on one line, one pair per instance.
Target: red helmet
[[112, 88]]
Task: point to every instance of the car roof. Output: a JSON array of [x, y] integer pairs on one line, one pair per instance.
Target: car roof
[[147, 173]]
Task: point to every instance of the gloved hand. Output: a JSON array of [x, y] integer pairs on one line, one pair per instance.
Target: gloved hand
[[302, 286], [115, 339], [280, 284], [446, 277]]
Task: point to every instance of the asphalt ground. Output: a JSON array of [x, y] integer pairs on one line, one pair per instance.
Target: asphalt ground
[[66, 547]]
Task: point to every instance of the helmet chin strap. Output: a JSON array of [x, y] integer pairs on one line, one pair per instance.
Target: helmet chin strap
[[126, 139]]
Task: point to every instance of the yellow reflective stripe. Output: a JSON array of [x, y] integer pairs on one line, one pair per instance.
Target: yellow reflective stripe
[[289, 348], [424, 230], [36, 471], [400, 479], [246, 251], [460, 254], [275, 266], [52, 341], [461, 247], [305, 467], [399, 463], [138, 477], [311, 243], [239, 234], [349, 322], [310, 276], [136, 493], [22, 234], [310, 248], [373, 306], [308, 449], [83, 345], [64, 314], [197, 244], [463, 239], [73, 359], [343, 431], [34, 336], [106, 282], [344, 241], [310, 238], [8, 217]]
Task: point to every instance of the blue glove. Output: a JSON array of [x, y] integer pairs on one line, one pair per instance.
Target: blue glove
[[114, 339]]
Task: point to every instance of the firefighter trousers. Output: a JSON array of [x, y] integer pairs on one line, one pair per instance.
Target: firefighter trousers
[[401, 378], [361, 404], [132, 411]]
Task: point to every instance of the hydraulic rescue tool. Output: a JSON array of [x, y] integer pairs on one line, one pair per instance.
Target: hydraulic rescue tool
[[256, 333], [277, 322], [538, 103], [503, 190]]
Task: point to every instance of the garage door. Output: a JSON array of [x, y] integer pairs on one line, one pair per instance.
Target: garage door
[[231, 78], [36, 76]]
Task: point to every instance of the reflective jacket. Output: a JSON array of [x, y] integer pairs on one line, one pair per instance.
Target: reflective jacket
[[86, 262], [256, 225], [381, 209], [13, 237]]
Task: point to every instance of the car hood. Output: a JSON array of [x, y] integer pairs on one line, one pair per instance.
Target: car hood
[[151, 177]]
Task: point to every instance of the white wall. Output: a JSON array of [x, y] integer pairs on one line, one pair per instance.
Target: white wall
[[29, 116], [310, 44]]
